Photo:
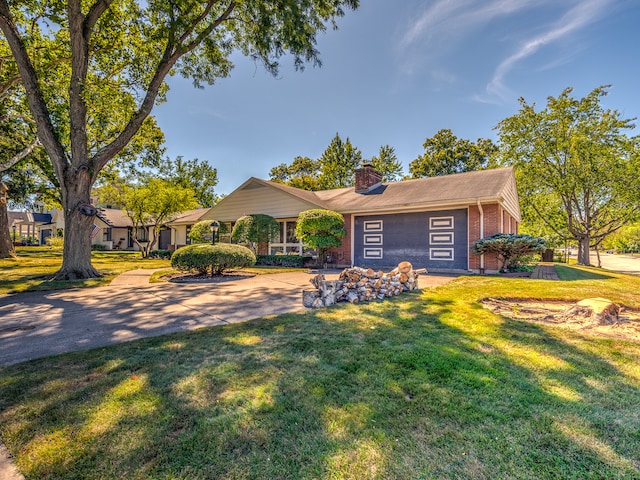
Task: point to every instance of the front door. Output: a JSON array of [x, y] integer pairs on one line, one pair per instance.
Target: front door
[[165, 239]]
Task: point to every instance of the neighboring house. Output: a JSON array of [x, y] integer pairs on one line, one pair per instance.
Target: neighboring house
[[430, 222], [181, 227], [29, 227], [111, 228]]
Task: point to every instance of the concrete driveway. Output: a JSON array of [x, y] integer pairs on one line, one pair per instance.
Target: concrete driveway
[[619, 263], [39, 324]]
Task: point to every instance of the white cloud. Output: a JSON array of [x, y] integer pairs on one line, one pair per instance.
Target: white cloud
[[435, 36], [578, 17], [449, 20]]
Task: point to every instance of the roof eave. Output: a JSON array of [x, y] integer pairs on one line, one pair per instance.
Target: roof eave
[[416, 207]]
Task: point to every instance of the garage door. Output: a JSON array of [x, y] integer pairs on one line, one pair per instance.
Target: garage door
[[435, 240]]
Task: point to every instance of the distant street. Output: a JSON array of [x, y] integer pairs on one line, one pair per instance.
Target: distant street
[[619, 263]]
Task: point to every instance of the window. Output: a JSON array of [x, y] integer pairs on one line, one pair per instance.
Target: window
[[285, 241], [142, 235], [106, 234], [291, 232], [188, 239]]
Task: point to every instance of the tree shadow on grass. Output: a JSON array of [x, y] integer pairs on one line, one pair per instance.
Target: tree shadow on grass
[[571, 274], [392, 389]]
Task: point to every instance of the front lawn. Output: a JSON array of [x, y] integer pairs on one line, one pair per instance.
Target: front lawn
[[35, 266], [424, 386]]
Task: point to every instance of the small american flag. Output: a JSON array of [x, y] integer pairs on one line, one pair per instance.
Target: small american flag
[[94, 231]]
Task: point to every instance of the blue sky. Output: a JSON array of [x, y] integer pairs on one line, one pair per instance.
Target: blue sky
[[396, 72]]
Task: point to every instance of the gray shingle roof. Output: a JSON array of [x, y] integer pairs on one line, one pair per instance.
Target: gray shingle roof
[[460, 188], [448, 190], [114, 217], [190, 216]]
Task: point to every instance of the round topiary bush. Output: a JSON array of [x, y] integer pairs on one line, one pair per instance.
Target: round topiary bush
[[216, 259]]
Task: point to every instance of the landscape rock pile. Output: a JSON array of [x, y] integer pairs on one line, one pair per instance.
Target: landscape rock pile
[[358, 284]]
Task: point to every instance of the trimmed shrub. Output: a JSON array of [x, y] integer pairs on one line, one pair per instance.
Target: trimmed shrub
[[510, 248], [161, 254], [255, 229], [57, 242], [98, 246], [201, 231], [282, 260], [321, 229], [205, 258]]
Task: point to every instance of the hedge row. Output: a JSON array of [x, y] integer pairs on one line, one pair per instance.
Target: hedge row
[[282, 260]]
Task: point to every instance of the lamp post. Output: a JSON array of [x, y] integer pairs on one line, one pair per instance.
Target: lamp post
[[214, 229]]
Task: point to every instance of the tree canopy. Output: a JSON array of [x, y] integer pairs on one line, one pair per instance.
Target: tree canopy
[[338, 164], [104, 68], [444, 154], [577, 170], [151, 206], [336, 167], [302, 173], [386, 163], [195, 175]]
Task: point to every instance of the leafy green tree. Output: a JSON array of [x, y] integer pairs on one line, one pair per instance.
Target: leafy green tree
[[201, 231], [338, 164], [321, 229], [577, 171], [302, 173], [444, 154], [150, 206], [624, 240], [200, 177], [255, 229], [387, 164], [336, 168], [105, 68], [18, 140], [509, 247]]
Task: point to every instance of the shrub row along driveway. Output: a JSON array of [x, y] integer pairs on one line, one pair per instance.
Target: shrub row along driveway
[[39, 324]]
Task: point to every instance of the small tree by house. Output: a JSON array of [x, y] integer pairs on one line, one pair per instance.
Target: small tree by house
[[201, 231], [253, 230], [150, 206], [509, 247], [321, 229]]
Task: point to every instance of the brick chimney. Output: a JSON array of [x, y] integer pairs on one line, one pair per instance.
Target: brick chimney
[[367, 178]]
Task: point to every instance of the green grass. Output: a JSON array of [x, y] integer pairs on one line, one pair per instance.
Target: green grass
[[580, 273], [424, 386], [35, 266]]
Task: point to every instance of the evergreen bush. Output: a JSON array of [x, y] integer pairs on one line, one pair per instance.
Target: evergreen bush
[[510, 248], [205, 258]]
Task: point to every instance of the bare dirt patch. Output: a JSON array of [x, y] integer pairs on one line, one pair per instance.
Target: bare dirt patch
[[557, 313]]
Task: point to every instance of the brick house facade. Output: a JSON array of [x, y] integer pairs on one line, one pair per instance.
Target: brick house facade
[[432, 222]]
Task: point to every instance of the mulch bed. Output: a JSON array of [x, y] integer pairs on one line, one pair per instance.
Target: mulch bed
[[194, 278]]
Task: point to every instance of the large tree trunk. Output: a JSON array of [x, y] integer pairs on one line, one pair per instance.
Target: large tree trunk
[[6, 242], [78, 223], [583, 251]]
